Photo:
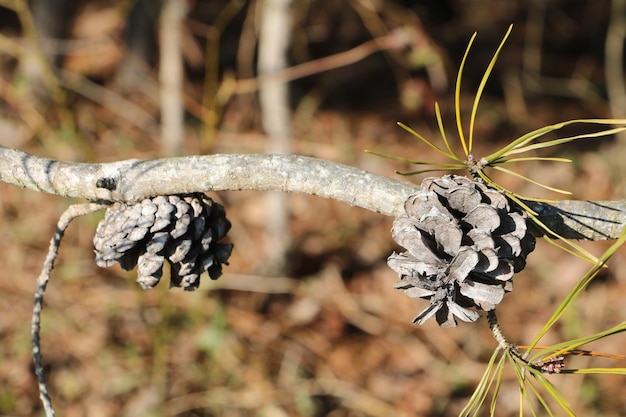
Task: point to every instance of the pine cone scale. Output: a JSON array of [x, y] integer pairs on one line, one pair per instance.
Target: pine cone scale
[[183, 230], [464, 242]]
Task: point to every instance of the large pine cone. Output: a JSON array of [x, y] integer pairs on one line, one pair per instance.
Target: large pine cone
[[184, 229], [464, 242]]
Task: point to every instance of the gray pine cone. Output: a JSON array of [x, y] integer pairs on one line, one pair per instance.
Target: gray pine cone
[[464, 242], [185, 230]]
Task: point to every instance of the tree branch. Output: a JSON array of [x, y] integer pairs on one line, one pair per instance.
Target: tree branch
[[133, 180]]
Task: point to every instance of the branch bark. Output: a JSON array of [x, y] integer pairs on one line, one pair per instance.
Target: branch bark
[[133, 180]]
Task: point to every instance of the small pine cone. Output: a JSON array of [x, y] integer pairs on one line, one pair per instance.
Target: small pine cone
[[185, 230], [464, 242]]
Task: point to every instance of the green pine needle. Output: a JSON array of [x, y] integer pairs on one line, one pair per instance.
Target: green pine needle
[[457, 96], [450, 155], [564, 348], [597, 371], [515, 174], [552, 391], [481, 87], [442, 131], [492, 374], [443, 167], [535, 159], [518, 145], [582, 284]]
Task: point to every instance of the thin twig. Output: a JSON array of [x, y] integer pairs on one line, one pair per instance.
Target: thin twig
[[397, 39], [109, 99], [505, 345], [42, 281], [495, 329]]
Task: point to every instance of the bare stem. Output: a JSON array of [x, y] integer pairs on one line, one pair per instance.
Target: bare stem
[[42, 281], [497, 332], [550, 366]]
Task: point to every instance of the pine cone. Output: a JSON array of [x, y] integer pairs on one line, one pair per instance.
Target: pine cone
[[464, 242], [183, 229]]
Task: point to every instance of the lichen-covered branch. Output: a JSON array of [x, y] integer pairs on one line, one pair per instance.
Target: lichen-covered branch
[[133, 180]]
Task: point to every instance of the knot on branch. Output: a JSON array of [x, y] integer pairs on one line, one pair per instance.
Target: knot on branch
[[464, 242], [185, 230]]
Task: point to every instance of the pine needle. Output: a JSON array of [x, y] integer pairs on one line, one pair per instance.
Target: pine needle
[[429, 143], [517, 175], [457, 96], [481, 86]]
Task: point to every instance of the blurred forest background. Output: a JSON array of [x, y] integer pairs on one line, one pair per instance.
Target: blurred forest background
[[305, 321]]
